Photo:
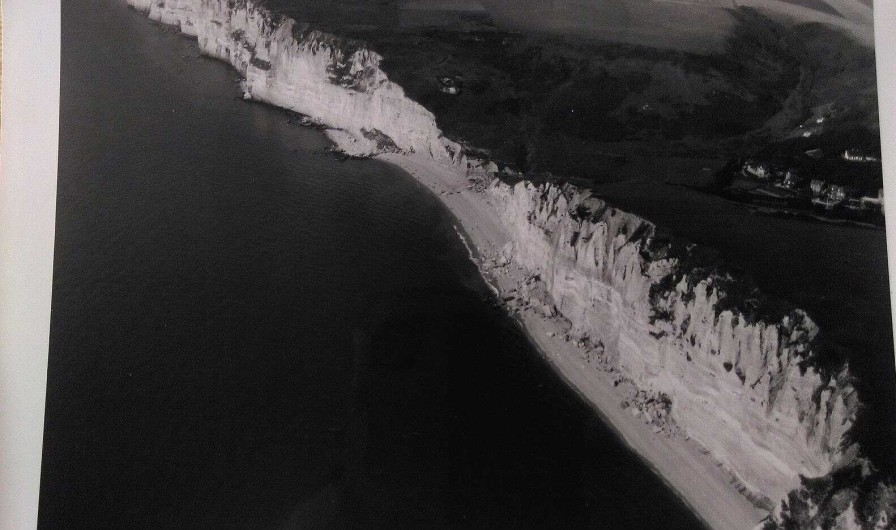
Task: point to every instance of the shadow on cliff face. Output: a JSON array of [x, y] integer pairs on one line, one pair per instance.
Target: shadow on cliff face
[[837, 273]]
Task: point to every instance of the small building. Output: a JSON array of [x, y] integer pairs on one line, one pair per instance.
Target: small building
[[845, 194], [450, 85], [759, 170], [858, 155], [873, 202], [814, 154], [793, 179], [826, 195]]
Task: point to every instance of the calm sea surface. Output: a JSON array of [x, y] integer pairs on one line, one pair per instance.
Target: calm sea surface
[[248, 333]]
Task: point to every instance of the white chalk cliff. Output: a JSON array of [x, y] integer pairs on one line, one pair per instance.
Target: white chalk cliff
[[337, 82], [740, 379], [686, 330]]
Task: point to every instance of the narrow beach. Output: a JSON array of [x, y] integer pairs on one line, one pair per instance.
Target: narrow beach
[[682, 463]]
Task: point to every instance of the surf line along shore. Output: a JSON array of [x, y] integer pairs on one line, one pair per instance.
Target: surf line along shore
[[338, 84]]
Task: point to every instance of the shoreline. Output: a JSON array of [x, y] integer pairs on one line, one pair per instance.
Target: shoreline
[[686, 467], [701, 482]]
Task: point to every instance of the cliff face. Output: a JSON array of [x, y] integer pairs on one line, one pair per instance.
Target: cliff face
[[675, 323], [737, 366], [337, 82]]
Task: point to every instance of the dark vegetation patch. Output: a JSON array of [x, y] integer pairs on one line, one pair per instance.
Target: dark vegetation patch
[[384, 143], [576, 108], [258, 63], [843, 74], [834, 108], [736, 292], [819, 501]]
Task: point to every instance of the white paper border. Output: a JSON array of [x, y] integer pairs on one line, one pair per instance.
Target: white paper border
[[28, 161]]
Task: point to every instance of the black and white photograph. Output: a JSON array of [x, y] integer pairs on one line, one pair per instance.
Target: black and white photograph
[[438, 264]]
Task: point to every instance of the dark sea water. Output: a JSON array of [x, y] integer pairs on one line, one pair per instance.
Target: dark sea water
[[247, 333]]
